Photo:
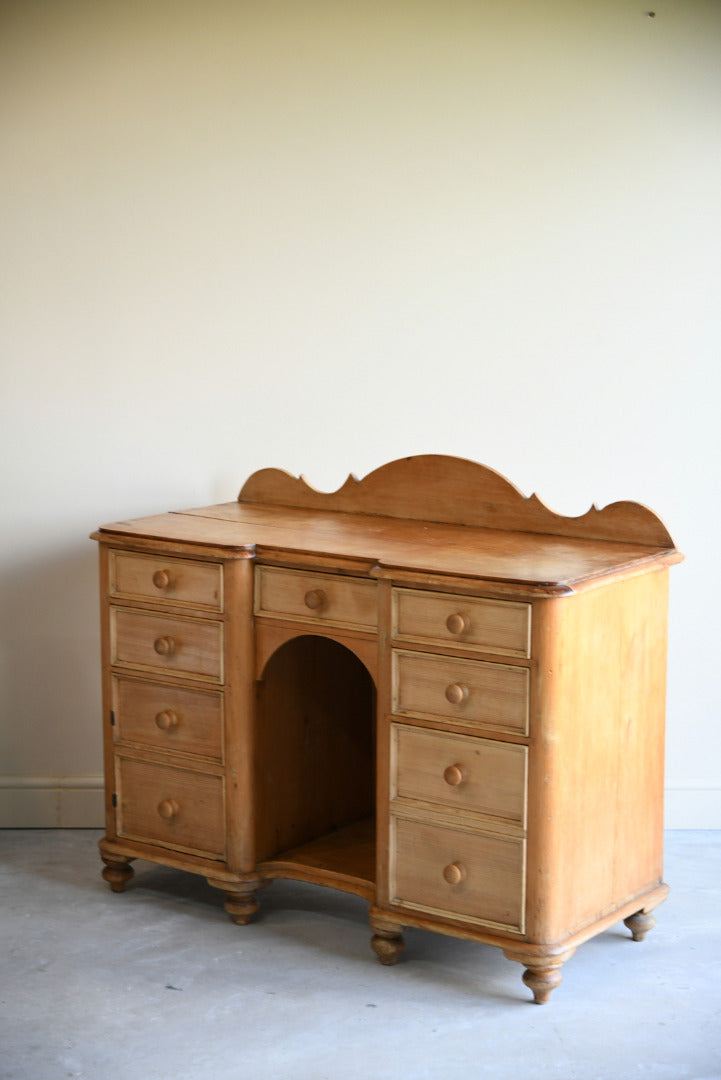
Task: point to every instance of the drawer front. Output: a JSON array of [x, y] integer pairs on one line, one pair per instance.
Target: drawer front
[[469, 692], [168, 718], [169, 806], [461, 773], [476, 876], [497, 626], [316, 598], [169, 580], [165, 643]]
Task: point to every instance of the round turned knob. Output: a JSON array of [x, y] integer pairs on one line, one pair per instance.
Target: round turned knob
[[164, 646], [457, 623], [454, 873], [456, 693], [168, 809], [315, 599], [161, 579], [454, 775], [167, 719]]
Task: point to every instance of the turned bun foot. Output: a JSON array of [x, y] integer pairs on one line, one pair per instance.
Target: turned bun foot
[[640, 924], [542, 974], [241, 898], [241, 908], [541, 981], [387, 946], [117, 872]]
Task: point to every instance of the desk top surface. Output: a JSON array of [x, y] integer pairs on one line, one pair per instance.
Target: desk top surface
[[429, 515], [546, 563]]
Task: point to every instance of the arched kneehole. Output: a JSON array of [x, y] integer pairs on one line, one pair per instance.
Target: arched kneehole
[[314, 744]]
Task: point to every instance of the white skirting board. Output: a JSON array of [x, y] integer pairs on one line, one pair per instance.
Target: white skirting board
[[76, 802], [692, 804], [51, 802]]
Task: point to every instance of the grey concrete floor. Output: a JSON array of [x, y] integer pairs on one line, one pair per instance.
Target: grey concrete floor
[[158, 984]]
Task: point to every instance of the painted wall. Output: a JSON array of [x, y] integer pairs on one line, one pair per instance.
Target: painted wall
[[324, 235]]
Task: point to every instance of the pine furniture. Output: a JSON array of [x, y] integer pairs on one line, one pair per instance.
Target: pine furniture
[[424, 689]]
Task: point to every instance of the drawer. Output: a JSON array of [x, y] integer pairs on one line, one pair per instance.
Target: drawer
[[454, 872], [168, 718], [497, 626], [460, 773], [469, 692], [170, 806], [316, 598], [169, 580], [182, 646]]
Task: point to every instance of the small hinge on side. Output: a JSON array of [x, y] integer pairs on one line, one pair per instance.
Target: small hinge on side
[[112, 718], [115, 799]]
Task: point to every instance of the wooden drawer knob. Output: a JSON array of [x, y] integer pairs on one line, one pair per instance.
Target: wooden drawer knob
[[457, 693], [315, 599], [167, 720], [454, 873], [161, 579], [454, 775], [168, 809], [164, 646], [457, 623]]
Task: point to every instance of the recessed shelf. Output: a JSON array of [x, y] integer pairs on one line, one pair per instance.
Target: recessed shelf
[[344, 859]]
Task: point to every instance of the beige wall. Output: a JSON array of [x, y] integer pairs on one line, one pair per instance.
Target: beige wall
[[325, 235]]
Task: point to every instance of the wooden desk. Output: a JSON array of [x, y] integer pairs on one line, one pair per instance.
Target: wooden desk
[[424, 689]]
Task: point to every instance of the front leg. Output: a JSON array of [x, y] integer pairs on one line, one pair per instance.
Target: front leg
[[640, 923], [542, 974], [241, 897], [117, 871], [387, 941]]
